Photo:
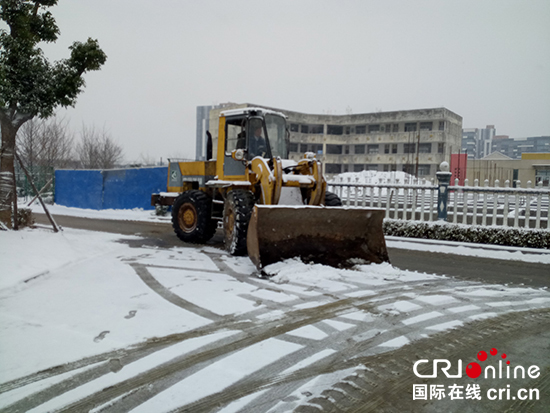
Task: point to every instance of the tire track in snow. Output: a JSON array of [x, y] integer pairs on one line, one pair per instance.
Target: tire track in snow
[[153, 284], [367, 390], [262, 330], [387, 383]]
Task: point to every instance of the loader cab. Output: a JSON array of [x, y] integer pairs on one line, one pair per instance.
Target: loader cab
[[257, 132]]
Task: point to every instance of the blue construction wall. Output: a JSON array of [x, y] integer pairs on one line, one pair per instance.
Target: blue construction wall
[[109, 189]]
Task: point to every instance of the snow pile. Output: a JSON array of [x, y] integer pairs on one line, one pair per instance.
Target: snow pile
[[325, 277], [376, 177]]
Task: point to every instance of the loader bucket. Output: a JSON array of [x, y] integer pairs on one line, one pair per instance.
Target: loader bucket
[[325, 235]]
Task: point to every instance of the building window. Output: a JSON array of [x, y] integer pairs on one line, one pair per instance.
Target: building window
[[395, 127], [441, 125], [409, 148], [390, 148], [358, 167], [304, 129], [425, 148], [347, 130], [410, 127], [293, 147], [390, 168], [312, 147], [372, 167], [294, 127], [426, 125], [361, 129], [317, 129], [542, 175], [408, 169], [346, 149], [335, 130], [441, 147], [423, 170], [333, 168], [359, 149], [374, 128], [334, 149], [372, 149]]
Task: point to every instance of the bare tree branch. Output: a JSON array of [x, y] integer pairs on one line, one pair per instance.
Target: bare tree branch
[[97, 149], [45, 143]]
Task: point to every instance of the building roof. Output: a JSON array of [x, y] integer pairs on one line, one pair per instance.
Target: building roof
[[399, 115], [497, 156]]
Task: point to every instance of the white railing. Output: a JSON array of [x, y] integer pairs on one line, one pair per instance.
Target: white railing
[[401, 201], [471, 205], [501, 206]]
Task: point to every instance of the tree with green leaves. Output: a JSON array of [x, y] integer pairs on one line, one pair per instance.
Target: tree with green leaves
[[30, 85]]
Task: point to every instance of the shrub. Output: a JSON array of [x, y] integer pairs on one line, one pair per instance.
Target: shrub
[[513, 237], [24, 217]]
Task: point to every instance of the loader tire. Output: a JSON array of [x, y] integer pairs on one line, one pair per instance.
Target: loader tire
[[331, 199], [191, 217], [236, 216]]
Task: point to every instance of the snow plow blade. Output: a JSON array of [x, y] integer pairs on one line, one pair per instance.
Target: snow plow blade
[[326, 235]]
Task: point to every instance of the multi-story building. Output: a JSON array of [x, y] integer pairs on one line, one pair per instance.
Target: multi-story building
[[414, 141], [203, 123], [470, 138], [477, 143], [514, 148]]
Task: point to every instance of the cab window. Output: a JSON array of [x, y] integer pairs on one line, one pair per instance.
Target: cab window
[[234, 135]]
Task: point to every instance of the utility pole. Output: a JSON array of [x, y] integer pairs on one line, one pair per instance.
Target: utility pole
[[417, 152]]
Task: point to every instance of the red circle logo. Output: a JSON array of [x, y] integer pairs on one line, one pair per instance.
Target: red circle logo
[[473, 370]]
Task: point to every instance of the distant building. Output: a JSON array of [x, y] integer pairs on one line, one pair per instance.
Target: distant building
[[413, 141], [203, 123], [534, 167], [514, 148], [477, 143], [470, 138]]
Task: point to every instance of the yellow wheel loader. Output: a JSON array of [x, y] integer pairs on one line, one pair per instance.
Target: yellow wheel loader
[[270, 207]]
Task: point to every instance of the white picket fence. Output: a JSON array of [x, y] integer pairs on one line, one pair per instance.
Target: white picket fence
[[470, 205], [500, 206]]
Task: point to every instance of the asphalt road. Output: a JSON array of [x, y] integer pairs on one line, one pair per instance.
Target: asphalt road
[[468, 268]]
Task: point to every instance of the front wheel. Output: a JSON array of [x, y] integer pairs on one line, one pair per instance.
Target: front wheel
[[191, 217], [331, 199], [236, 216]]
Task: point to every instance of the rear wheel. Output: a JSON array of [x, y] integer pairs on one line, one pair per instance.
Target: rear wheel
[[331, 199], [191, 217], [236, 216]]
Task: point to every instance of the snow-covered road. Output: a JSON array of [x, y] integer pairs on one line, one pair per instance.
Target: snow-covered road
[[88, 323]]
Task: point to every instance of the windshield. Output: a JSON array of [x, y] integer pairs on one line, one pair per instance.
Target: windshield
[[276, 134]]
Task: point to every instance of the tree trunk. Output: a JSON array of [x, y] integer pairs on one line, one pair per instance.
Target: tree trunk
[[8, 194]]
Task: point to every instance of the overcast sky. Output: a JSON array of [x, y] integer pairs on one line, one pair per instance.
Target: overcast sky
[[486, 60]]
